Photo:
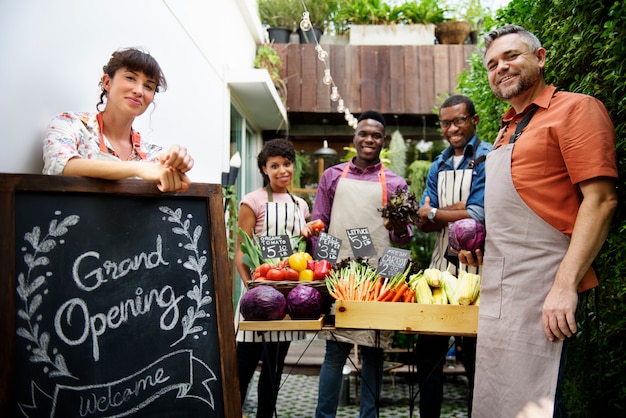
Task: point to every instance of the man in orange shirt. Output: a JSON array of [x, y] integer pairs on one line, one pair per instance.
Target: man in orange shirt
[[549, 200]]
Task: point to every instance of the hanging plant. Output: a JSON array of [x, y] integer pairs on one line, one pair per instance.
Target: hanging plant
[[268, 58]]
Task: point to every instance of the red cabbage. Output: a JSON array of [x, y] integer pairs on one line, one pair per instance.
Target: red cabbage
[[304, 302], [466, 235], [263, 303]]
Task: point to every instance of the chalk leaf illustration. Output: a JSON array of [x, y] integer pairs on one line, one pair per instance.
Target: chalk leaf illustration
[[196, 263], [29, 291]]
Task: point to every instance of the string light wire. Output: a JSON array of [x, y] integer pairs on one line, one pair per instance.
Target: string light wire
[[327, 79]]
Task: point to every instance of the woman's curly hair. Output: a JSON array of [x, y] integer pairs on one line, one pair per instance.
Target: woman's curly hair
[[277, 147]]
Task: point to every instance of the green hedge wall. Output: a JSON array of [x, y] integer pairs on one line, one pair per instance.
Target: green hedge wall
[[586, 44]]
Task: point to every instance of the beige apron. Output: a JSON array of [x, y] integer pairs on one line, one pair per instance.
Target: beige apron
[[356, 205], [280, 218], [453, 186], [515, 361]]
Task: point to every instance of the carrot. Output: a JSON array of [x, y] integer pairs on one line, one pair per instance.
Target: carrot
[[409, 295], [390, 296], [351, 286], [366, 289], [339, 290], [377, 286], [403, 287], [335, 295]]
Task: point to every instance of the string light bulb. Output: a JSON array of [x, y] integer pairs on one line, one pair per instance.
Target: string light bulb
[[321, 54], [340, 106], [305, 23], [334, 94], [327, 79]]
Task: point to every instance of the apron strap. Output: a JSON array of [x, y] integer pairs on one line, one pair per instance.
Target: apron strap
[[522, 124], [134, 137]]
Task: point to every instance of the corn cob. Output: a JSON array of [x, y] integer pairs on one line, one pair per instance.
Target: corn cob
[[423, 294], [433, 277], [468, 287], [449, 286], [439, 296], [477, 301]]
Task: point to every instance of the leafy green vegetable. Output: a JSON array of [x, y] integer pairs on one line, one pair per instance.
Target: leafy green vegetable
[[402, 205]]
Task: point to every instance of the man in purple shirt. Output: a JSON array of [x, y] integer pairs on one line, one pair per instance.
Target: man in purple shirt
[[349, 196]]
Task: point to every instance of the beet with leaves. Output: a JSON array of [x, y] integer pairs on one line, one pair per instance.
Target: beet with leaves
[[402, 205]]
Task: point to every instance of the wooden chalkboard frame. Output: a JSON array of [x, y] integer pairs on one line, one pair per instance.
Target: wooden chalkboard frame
[[211, 194]]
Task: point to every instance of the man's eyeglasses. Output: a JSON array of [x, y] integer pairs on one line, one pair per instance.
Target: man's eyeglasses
[[458, 122]]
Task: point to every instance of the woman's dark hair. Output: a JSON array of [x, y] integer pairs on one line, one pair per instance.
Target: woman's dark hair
[[278, 147], [133, 59]]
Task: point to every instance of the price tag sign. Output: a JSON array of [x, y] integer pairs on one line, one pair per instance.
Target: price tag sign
[[393, 261], [275, 246], [361, 242], [327, 248]]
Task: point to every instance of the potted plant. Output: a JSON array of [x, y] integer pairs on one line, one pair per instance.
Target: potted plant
[[464, 20], [376, 22], [279, 16], [474, 13], [424, 12]]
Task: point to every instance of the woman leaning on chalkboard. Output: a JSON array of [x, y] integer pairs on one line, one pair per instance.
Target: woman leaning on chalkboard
[[269, 210], [103, 144]]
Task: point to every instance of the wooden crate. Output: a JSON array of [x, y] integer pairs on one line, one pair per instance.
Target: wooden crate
[[286, 324], [454, 320]]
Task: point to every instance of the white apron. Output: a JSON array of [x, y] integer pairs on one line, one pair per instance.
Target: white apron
[[280, 218], [453, 186], [515, 361], [356, 205]]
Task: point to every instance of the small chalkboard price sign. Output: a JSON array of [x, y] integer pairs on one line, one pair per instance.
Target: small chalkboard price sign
[[116, 300], [327, 248], [361, 242], [393, 261], [275, 246]]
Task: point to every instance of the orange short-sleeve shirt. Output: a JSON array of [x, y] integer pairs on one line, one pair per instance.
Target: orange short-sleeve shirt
[[569, 139]]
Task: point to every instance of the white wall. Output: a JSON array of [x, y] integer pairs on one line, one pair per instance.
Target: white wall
[[52, 53]]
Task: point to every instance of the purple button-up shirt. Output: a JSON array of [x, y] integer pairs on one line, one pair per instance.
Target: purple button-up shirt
[[328, 186]]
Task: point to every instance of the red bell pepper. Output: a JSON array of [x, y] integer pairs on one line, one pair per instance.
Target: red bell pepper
[[322, 268]]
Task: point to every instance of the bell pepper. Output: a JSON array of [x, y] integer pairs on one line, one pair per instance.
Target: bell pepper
[[322, 268], [306, 275], [297, 261]]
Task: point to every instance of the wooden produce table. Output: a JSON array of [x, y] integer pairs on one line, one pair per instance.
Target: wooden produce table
[[454, 320]]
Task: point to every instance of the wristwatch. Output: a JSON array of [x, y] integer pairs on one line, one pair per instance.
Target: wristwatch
[[432, 214]]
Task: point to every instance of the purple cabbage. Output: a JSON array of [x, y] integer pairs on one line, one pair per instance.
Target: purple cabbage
[[304, 302], [466, 235], [263, 303]]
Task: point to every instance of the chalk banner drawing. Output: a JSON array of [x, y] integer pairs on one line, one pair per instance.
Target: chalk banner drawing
[[115, 308]]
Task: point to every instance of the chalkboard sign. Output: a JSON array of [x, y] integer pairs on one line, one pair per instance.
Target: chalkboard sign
[[327, 248], [393, 261], [116, 300], [275, 246], [361, 242]]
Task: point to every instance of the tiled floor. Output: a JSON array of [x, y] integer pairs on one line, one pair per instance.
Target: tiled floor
[[297, 397]]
